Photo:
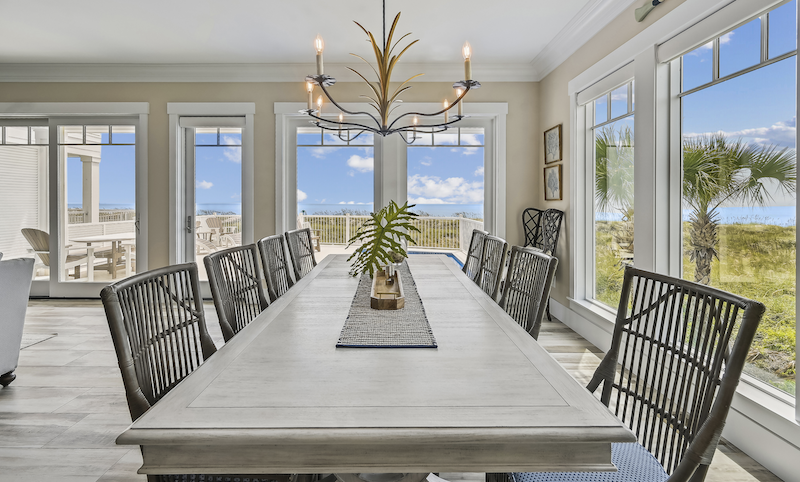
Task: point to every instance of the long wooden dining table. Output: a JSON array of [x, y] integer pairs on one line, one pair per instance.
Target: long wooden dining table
[[280, 397]]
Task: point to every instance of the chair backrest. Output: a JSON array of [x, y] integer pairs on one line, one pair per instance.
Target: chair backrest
[[527, 287], [473, 263], [15, 287], [159, 331], [39, 241], [542, 228], [214, 222], [493, 261], [301, 251], [672, 369], [236, 287], [275, 264]]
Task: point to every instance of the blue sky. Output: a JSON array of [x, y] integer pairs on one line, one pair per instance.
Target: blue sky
[[443, 179]]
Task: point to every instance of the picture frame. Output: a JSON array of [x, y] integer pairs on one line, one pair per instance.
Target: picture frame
[[553, 185], [553, 145]]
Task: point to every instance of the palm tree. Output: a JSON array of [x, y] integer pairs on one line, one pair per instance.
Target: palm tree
[[614, 179], [717, 170]]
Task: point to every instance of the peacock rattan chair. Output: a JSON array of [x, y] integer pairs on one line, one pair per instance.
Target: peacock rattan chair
[[236, 287], [527, 287], [493, 261], [160, 337], [275, 264], [301, 251], [473, 263], [542, 230], [676, 356]]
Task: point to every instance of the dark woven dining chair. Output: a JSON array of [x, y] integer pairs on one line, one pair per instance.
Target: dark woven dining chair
[[236, 287], [542, 230], [275, 264], [676, 356], [473, 263], [301, 251], [527, 287], [160, 337], [493, 261]]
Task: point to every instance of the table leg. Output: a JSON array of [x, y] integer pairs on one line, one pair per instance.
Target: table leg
[[127, 260], [114, 256], [90, 263]]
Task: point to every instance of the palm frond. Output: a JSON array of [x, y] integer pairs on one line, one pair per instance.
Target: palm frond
[[381, 235]]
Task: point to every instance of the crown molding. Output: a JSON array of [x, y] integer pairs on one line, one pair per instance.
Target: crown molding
[[521, 72], [589, 21]]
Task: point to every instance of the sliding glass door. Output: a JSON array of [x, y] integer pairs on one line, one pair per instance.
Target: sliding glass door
[[93, 207]]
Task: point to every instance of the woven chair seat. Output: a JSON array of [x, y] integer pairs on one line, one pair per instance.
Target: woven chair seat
[[221, 478], [634, 464]]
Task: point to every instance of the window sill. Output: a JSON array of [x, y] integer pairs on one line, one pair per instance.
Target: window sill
[[600, 315], [768, 407]]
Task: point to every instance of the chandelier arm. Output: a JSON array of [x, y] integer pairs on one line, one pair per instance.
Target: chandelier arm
[[339, 135], [327, 126], [343, 109], [455, 103]]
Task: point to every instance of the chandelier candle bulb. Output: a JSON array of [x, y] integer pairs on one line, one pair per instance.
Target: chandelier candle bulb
[[341, 119], [467, 51], [310, 89], [319, 45], [319, 106]]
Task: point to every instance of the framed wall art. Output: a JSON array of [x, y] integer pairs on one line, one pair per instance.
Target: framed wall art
[[552, 183], [552, 145]]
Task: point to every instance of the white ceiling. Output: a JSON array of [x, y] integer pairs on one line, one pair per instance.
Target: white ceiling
[[272, 31]]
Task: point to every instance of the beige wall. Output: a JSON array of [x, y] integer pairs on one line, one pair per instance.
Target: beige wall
[[554, 109], [521, 191]]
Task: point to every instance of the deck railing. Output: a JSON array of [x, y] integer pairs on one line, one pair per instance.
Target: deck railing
[[75, 216], [435, 232]]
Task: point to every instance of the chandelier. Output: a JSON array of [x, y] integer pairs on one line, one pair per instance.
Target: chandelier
[[384, 102]]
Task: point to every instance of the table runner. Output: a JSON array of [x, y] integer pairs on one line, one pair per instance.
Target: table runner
[[404, 328]]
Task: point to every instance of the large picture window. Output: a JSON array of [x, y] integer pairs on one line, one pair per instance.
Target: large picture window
[[611, 137], [738, 154]]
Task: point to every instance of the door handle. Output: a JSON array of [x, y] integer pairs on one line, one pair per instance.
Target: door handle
[[189, 224]]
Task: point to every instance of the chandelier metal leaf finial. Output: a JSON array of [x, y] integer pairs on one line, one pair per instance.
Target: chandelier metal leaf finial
[[382, 100]]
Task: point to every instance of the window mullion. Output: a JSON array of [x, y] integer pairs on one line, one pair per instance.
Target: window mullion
[[764, 38]]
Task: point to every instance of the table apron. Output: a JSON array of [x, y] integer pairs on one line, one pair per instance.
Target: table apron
[[372, 458]]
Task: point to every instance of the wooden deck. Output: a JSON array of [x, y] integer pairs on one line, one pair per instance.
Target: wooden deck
[[59, 419]]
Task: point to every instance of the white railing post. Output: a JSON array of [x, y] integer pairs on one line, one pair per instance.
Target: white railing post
[[346, 227]]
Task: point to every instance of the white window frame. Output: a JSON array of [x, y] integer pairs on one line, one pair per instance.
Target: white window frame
[[177, 169], [391, 176], [138, 113], [763, 422]]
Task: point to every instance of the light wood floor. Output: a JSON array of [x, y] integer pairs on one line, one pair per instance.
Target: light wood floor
[[59, 419]]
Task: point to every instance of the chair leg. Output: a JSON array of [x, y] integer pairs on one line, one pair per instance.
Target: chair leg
[[7, 378], [547, 310]]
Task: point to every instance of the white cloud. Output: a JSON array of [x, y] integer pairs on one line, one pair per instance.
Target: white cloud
[[781, 134], [233, 154], [466, 151], [353, 202], [470, 140], [230, 141], [426, 161], [479, 171], [450, 190], [204, 184], [361, 164], [301, 196], [319, 152], [422, 200]]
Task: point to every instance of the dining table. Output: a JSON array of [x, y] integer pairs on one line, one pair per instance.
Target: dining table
[[281, 397], [119, 242]]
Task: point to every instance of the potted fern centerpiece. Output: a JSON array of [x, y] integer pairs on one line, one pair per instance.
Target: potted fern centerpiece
[[382, 239]]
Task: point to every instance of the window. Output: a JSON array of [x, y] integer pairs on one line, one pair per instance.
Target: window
[[610, 138], [23, 190], [335, 182], [446, 184], [738, 154]]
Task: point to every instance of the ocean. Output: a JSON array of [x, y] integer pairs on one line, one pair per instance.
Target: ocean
[[775, 215], [439, 210]]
